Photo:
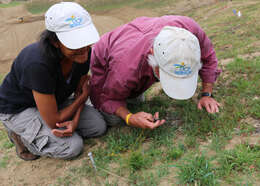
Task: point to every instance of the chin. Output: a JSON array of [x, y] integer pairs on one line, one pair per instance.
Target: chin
[[81, 59]]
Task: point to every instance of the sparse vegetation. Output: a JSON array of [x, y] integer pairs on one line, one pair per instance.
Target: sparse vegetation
[[243, 158], [196, 170], [38, 6], [11, 4], [172, 153]]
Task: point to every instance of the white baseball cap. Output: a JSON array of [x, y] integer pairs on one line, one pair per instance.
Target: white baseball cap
[[72, 25], [177, 52]]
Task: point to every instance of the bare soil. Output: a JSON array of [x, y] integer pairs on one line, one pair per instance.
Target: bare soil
[[19, 29]]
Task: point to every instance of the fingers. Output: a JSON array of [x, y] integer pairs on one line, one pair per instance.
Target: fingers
[[209, 108], [66, 131], [212, 107], [146, 120], [210, 104], [148, 116], [62, 133], [156, 115], [152, 125], [60, 125], [159, 123], [199, 106]]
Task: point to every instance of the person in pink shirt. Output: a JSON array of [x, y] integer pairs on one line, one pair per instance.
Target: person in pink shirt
[[128, 60]]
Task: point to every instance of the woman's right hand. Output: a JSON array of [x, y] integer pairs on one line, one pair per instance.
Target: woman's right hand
[[64, 129]]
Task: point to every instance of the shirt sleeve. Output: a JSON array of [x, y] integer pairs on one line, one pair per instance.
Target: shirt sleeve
[[117, 88], [209, 71], [37, 77], [112, 81]]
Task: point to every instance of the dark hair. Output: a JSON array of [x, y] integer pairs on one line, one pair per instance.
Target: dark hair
[[46, 40]]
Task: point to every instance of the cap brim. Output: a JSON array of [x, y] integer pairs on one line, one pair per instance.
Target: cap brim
[[178, 88], [79, 38]]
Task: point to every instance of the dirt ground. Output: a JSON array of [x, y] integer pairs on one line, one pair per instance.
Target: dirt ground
[[16, 33], [20, 28]]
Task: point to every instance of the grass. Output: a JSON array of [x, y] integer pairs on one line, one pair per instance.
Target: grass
[[196, 170], [4, 162], [38, 6], [103, 5], [92, 6], [11, 4], [175, 153], [243, 159], [172, 153], [231, 34], [137, 160]]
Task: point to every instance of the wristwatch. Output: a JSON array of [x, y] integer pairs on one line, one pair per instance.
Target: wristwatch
[[203, 94]]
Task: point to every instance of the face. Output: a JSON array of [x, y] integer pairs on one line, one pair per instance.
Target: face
[[77, 55]]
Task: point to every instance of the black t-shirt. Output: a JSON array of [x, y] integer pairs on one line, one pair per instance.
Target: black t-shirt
[[32, 71]]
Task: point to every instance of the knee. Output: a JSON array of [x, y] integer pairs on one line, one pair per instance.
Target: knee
[[95, 129], [101, 128], [74, 148]]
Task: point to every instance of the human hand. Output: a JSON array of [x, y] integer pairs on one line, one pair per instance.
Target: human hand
[[81, 85], [86, 88], [210, 104], [68, 131], [145, 120]]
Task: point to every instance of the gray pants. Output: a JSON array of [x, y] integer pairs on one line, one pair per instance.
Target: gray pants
[[113, 120], [39, 140]]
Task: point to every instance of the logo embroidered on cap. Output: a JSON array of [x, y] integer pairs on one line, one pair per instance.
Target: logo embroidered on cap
[[74, 21], [181, 69]]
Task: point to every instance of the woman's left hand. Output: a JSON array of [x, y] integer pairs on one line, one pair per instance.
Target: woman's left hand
[[210, 104], [81, 84], [68, 128]]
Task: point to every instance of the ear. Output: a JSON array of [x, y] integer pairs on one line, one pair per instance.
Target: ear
[[157, 72], [151, 51]]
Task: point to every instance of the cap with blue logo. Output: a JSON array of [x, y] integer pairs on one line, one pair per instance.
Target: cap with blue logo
[[177, 52], [72, 25]]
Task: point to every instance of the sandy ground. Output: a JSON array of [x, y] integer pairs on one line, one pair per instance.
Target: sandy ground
[[16, 34], [20, 28]]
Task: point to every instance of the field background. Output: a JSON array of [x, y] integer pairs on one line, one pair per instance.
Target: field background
[[193, 147]]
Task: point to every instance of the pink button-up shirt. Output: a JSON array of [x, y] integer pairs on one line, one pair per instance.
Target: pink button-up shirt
[[119, 64]]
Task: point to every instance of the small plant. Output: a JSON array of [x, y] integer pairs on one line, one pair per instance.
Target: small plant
[[174, 154], [196, 170], [218, 142], [36, 7], [11, 4], [4, 162], [242, 158], [120, 140], [7, 144], [138, 161], [190, 141]]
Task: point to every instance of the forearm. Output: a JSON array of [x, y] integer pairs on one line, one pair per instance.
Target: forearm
[[207, 87], [73, 108], [77, 115], [122, 112]]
